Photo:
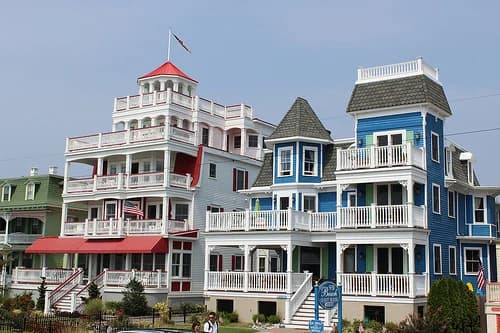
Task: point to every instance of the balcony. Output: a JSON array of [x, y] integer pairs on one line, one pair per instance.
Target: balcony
[[389, 216], [481, 230], [254, 281], [270, 220], [391, 285], [18, 238], [493, 292], [129, 137], [118, 228], [380, 157], [123, 181]]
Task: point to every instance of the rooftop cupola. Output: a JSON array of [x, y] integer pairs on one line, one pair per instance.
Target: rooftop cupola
[[167, 76]]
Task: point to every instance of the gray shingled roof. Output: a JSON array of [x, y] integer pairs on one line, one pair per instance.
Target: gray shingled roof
[[396, 92], [459, 167], [300, 120], [265, 176]]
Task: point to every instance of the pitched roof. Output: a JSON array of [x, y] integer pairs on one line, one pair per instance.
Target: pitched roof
[[265, 176], [300, 120], [167, 68], [459, 167], [397, 92]]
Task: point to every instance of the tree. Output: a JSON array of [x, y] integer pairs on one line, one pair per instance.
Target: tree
[[42, 290], [454, 305], [94, 291], [134, 301]]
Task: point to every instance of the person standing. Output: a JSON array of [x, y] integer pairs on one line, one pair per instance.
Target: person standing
[[211, 326], [196, 327]]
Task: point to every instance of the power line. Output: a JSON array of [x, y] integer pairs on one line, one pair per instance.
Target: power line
[[475, 131]]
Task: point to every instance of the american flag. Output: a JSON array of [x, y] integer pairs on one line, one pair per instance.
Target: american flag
[[181, 42], [131, 207], [481, 281]]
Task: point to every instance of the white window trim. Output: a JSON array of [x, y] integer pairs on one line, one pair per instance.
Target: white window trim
[[8, 188], [26, 192], [315, 168], [352, 194], [115, 203], [174, 208], [439, 197], [470, 173], [440, 259], [181, 253], [485, 210], [304, 195], [432, 148], [465, 258], [280, 171], [454, 204], [248, 140], [454, 259], [388, 134], [448, 168], [242, 258]]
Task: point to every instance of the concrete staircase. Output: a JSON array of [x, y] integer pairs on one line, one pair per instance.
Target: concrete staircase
[[305, 313]]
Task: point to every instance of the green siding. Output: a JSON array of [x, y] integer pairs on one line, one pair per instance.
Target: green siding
[[409, 137], [369, 140], [324, 262], [369, 194], [295, 259], [369, 258]]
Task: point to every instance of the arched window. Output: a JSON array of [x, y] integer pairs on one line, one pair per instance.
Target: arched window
[[145, 88], [6, 192], [170, 84], [30, 191], [146, 122], [189, 90], [173, 121], [156, 86], [186, 124], [160, 120], [133, 124]]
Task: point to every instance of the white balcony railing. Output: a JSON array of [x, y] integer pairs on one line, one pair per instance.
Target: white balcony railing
[[122, 228], [373, 284], [255, 281], [493, 292], [393, 71], [21, 275], [123, 181], [18, 238], [382, 216], [380, 157]]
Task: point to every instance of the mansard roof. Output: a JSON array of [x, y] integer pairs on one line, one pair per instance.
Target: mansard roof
[[398, 92], [265, 176], [167, 68], [459, 167], [301, 121]]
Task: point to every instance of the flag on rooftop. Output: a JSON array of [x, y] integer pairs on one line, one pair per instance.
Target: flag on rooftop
[[181, 42], [130, 207]]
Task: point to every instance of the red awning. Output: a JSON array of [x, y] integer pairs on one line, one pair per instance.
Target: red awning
[[139, 244]]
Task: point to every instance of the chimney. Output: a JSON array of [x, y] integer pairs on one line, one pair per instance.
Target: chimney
[[53, 170], [34, 171]]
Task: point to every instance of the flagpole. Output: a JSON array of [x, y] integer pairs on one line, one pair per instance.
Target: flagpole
[[169, 37]]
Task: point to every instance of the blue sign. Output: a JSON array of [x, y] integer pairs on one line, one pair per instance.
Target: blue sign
[[316, 326], [328, 296]]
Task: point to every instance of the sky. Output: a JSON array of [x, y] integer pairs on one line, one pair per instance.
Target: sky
[[63, 62]]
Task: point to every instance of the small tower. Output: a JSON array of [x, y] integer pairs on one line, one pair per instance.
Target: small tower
[[167, 76]]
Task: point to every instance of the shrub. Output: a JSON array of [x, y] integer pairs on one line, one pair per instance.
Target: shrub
[[23, 302], [94, 291], [258, 318], [391, 327], [273, 319], [163, 310], [113, 306], [230, 317], [93, 307], [375, 326], [134, 301], [42, 290]]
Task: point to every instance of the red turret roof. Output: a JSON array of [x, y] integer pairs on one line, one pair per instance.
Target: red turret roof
[[168, 68]]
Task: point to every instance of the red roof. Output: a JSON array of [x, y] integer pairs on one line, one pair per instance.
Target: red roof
[[168, 68], [137, 244]]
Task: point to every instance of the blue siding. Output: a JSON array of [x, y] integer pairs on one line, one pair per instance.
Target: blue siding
[[287, 179], [300, 159], [419, 259], [493, 264], [327, 201], [407, 121], [361, 194], [419, 194], [332, 261], [461, 214], [469, 216], [265, 203], [361, 260], [472, 278]]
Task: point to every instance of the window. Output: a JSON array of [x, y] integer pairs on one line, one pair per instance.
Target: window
[[93, 213], [453, 260], [448, 163], [30, 191], [181, 212], [438, 269], [237, 142], [310, 161], [470, 173], [238, 263], [472, 260], [110, 210], [253, 141], [451, 203], [479, 210], [186, 265], [176, 264], [214, 262], [309, 203], [435, 147], [204, 136], [6, 192], [212, 170], [181, 264], [240, 179], [436, 201], [274, 264], [284, 162], [262, 264]]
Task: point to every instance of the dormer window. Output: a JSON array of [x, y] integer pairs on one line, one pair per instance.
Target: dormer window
[[435, 147], [310, 161], [30, 191], [6, 192], [448, 162], [470, 173], [285, 162]]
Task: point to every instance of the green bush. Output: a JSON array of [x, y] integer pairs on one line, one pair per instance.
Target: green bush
[[273, 319], [93, 307], [391, 327], [113, 306], [259, 317], [134, 301], [375, 326], [230, 317]]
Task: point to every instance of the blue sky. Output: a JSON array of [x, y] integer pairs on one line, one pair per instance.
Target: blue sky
[[63, 62]]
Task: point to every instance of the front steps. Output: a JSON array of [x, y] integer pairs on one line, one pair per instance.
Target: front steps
[[64, 305], [305, 313]]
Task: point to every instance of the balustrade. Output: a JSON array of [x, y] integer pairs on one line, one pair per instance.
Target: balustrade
[[373, 284], [255, 281]]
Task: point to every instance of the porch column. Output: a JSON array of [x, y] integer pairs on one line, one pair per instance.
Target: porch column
[[243, 148], [225, 142], [289, 263], [64, 218], [7, 217], [411, 202], [208, 250], [340, 267], [164, 214], [210, 136], [340, 188], [66, 176], [166, 167], [196, 130], [128, 164], [168, 260], [247, 249], [99, 166]]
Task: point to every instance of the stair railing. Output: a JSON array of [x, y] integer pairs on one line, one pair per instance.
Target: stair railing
[[293, 304], [98, 280], [63, 289]]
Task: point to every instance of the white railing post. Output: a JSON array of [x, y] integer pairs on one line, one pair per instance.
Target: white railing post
[[120, 226], [111, 220], [413, 292], [94, 188], [44, 272], [133, 274], [374, 284], [158, 271], [372, 157], [410, 217], [289, 219], [247, 220], [245, 281], [288, 315], [409, 153], [208, 221], [373, 215], [105, 278], [289, 282], [94, 227], [309, 220], [188, 180]]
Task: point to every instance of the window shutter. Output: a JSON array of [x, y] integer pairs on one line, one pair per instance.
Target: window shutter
[[220, 262], [234, 179], [233, 263], [246, 180], [221, 210]]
